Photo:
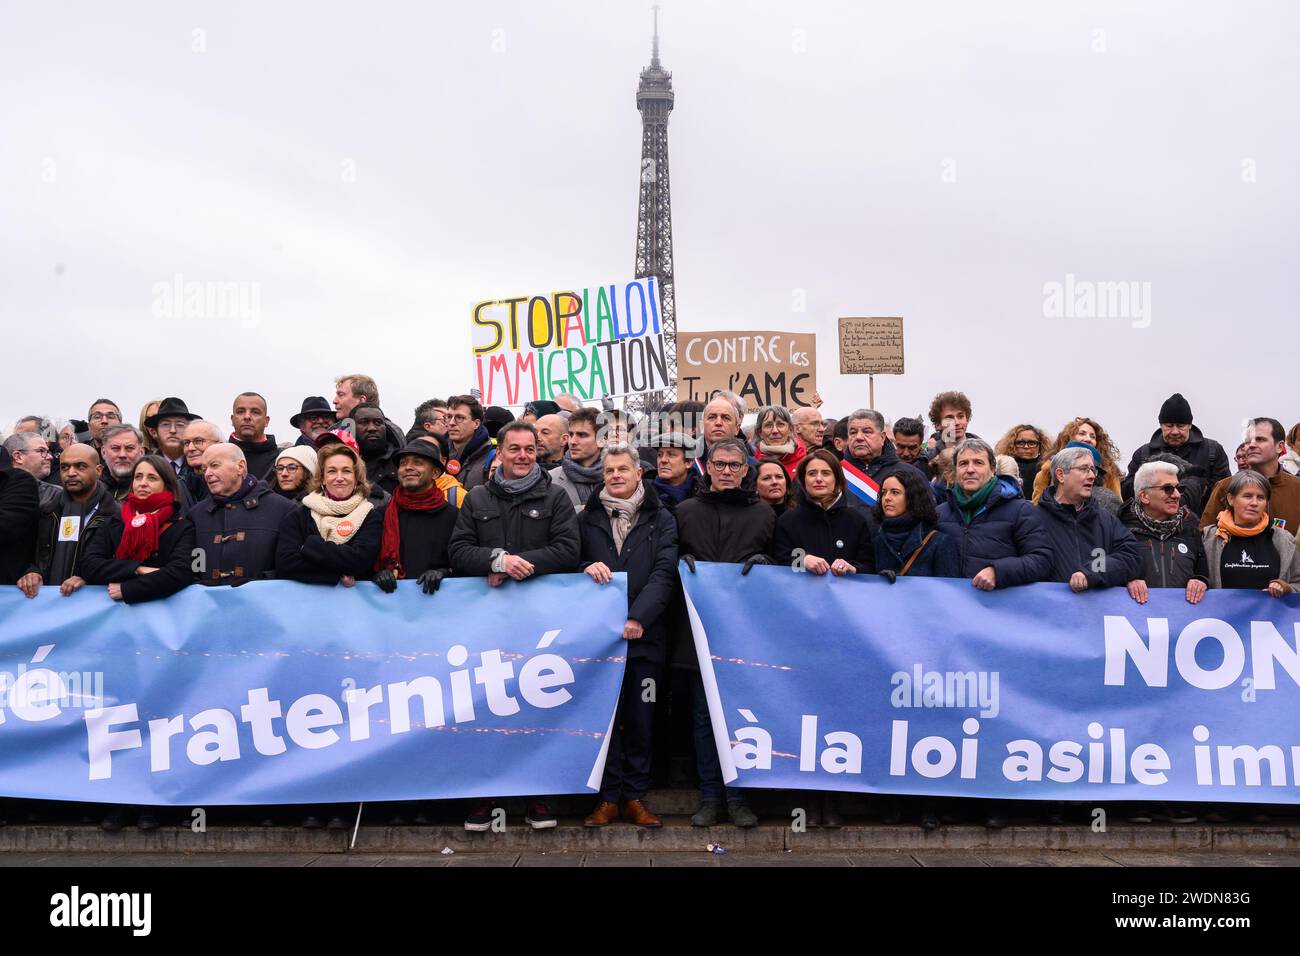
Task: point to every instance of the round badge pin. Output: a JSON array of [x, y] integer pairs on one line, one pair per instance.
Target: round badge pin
[[344, 528], [137, 521], [1182, 548], [839, 544], [453, 467]]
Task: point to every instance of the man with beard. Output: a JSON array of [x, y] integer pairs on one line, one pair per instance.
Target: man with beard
[[552, 439], [31, 453], [579, 471], [122, 446], [314, 420], [249, 419], [379, 444], [82, 506]]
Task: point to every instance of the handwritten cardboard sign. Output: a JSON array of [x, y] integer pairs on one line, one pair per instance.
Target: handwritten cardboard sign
[[763, 368], [871, 346]]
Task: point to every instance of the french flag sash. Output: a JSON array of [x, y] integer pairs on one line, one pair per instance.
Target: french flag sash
[[859, 484]]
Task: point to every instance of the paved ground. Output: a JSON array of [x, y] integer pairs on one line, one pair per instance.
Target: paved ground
[[944, 858]]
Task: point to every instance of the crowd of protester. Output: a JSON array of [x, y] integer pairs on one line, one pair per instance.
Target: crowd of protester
[[173, 500]]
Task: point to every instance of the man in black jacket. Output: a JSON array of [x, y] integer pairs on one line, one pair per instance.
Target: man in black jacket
[[418, 523], [869, 452], [1178, 435], [1168, 535], [623, 527], [249, 418], [1091, 548], [19, 513], [515, 526], [237, 527], [82, 506], [729, 524]]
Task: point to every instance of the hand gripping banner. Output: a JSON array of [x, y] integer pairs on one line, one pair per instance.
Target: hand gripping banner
[[929, 686], [276, 692]]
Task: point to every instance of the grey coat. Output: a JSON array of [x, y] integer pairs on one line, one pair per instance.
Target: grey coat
[[1288, 556]]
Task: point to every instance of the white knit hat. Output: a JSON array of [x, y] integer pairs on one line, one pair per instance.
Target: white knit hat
[[301, 454]]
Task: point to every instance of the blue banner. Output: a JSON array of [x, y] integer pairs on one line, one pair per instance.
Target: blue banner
[[276, 692], [930, 686]]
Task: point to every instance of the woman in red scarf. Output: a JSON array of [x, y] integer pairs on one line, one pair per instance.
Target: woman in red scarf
[[143, 555], [147, 552]]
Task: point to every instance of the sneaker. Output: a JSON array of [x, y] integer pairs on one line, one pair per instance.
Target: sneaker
[[741, 815], [480, 817], [539, 816], [706, 815]]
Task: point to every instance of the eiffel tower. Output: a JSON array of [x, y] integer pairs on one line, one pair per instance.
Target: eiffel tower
[[654, 216]]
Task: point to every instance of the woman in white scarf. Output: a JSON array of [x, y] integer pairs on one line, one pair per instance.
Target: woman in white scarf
[[334, 537]]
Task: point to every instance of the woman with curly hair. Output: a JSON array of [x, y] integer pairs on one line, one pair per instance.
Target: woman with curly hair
[[1026, 444], [1088, 432]]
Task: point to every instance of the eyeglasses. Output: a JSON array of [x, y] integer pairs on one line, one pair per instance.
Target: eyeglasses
[[196, 442], [727, 465], [287, 468], [171, 426], [1086, 469], [1170, 490], [459, 418], [43, 452], [106, 417], [1026, 443]]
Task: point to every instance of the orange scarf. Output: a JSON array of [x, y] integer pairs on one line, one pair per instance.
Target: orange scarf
[[1228, 529]]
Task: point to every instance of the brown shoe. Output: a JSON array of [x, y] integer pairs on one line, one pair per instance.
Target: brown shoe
[[637, 812], [604, 814]]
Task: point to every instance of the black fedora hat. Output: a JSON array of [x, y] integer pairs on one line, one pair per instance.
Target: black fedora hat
[[313, 405], [170, 408]]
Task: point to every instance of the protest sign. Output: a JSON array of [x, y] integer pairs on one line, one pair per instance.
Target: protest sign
[[763, 368], [871, 346], [591, 342]]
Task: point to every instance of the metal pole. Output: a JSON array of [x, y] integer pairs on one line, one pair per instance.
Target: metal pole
[[871, 393]]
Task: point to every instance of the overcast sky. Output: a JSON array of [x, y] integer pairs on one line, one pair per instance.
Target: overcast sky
[[374, 169]]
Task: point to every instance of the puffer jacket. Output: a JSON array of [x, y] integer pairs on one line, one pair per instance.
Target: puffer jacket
[[1170, 561], [1006, 534], [1088, 539]]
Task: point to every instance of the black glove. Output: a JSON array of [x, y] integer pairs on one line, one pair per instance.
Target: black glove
[[888, 575], [386, 580], [756, 559], [690, 561], [431, 580]]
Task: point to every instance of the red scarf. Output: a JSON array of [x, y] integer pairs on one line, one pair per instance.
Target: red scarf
[[144, 520], [390, 546]]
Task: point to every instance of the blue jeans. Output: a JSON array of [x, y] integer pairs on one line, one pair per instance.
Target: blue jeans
[[706, 750]]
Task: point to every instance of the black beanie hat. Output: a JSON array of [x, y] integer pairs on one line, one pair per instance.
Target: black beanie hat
[[1175, 411]]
